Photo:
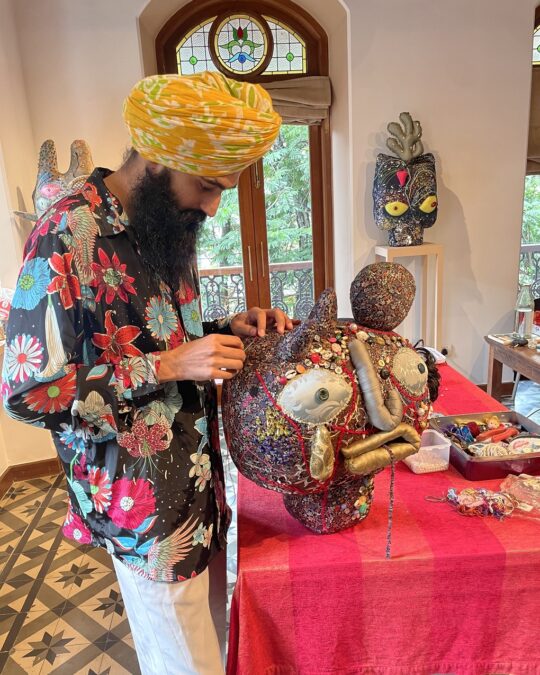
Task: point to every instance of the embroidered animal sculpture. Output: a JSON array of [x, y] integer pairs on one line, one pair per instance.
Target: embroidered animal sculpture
[[315, 414]]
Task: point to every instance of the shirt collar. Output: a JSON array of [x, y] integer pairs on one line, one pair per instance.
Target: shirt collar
[[105, 206]]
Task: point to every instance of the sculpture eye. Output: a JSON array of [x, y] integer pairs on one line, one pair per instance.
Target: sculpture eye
[[315, 397], [429, 204], [396, 208], [322, 395], [410, 370]]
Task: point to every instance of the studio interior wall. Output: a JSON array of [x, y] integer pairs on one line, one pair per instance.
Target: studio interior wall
[[463, 69]]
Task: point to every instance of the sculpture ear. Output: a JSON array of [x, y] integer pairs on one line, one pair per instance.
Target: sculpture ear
[[321, 320], [324, 311], [81, 163], [48, 162]]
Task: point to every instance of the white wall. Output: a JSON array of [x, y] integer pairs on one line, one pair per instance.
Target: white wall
[[461, 67], [79, 60], [17, 158]]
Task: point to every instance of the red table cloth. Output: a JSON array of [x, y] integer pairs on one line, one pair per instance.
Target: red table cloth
[[459, 595]]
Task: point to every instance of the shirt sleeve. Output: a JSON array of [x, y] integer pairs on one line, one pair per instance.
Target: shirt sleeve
[[222, 326], [49, 379]]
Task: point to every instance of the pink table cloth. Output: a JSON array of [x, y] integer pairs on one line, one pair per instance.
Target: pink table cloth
[[459, 595]]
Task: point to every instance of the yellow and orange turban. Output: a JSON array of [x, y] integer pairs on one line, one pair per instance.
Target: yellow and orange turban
[[204, 124]]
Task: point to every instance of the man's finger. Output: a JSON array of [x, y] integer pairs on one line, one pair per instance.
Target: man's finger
[[230, 341], [279, 318], [261, 322]]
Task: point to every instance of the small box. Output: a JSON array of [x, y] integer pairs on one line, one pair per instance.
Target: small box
[[433, 454]]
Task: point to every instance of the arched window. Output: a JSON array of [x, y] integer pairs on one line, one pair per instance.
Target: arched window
[[271, 242]]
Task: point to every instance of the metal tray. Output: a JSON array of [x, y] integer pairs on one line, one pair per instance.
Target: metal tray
[[485, 468]]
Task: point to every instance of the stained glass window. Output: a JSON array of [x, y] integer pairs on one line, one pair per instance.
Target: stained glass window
[[536, 47], [241, 45], [289, 55], [192, 54]]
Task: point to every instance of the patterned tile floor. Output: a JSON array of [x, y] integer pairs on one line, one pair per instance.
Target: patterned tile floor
[[61, 610]]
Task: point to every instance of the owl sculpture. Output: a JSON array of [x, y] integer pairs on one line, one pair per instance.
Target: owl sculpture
[[405, 186], [316, 413]]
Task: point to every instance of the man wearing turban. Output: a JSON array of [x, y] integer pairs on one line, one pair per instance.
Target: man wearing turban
[[106, 348]]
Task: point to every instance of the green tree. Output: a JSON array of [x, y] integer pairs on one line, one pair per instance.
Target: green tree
[[530, 231], [288, 207]]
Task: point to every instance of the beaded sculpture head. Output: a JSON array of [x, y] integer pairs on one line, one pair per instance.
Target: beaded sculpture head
[[405, 187], [310, 412]]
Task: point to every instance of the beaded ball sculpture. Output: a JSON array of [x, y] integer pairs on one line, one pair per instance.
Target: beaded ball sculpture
[[316, 413]]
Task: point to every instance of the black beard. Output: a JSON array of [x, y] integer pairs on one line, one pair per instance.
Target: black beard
[[166, 234]]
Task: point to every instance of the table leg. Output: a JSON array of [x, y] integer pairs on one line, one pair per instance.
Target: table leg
[[494, 375]]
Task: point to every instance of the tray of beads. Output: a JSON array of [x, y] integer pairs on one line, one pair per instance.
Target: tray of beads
[[491, 445]]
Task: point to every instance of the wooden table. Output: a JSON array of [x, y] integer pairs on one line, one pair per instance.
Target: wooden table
[[523, 360]]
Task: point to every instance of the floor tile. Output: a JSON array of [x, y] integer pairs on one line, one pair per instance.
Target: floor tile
[[121, 658], [13, 599], [83, 660], [34, 626], [85, 625], [16, 663], [42, 650]]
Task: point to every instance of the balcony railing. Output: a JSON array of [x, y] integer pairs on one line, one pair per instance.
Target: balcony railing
[[529, 266], [291, 289]]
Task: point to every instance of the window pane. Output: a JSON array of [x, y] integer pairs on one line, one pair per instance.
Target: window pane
[[241, 43], [536, 47], [289, 55], [192, 53], [220, 261], [288, 221]]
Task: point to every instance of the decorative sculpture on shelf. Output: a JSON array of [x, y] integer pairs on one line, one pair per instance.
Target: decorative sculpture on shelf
[[316, 413], [51, 185], [405, 187]]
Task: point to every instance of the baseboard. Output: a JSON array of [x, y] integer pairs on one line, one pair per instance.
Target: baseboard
[[44, 467], [506, 388]]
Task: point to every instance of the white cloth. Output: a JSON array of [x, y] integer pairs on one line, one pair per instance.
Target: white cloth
[[171, 624]]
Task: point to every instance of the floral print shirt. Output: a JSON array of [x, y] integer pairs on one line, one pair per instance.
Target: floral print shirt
[[87, 324]]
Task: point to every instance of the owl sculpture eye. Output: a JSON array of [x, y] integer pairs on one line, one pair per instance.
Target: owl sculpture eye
[[396, 208], [410, 370], [429, 204], [315, 397]]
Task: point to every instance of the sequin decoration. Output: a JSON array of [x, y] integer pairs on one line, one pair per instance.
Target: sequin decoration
[[382, 295]]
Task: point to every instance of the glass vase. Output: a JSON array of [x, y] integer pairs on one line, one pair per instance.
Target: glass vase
[[524, 312]]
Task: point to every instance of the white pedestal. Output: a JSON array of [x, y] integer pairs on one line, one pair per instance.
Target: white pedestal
[[425, 251]]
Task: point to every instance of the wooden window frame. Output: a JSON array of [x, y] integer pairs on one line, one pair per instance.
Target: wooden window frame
[[316, 41]]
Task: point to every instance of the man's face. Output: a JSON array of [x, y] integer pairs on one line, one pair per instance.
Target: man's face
[[167, 209], [200, 192]]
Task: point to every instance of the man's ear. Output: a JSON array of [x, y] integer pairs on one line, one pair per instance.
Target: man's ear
[[154, 168]]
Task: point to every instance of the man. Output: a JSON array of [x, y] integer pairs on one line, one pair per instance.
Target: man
[[105, 347]]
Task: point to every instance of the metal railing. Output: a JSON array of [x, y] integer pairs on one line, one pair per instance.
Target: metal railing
[[291, 289]]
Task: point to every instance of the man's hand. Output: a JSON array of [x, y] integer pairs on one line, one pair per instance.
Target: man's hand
[[256, 320], [212, 357]]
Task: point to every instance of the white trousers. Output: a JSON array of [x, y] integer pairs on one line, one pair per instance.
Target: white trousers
[[171, 624]]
